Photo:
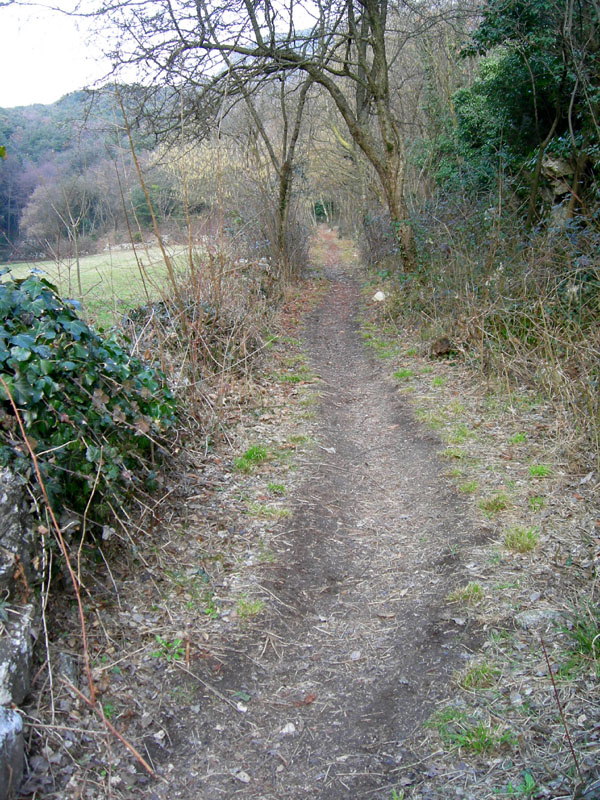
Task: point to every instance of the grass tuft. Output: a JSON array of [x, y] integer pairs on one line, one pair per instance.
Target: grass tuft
[[521, 540], [253, 456], [494, 503]]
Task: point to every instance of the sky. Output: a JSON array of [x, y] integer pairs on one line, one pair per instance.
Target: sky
[[43, 56]]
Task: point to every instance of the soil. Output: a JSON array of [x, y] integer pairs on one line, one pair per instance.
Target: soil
[[359, 645], [283, 642]]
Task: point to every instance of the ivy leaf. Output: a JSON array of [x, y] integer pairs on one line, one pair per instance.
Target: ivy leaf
[[20, 353], [23, 340]]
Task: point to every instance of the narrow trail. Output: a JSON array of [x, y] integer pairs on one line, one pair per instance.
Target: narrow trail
[[360, 644]]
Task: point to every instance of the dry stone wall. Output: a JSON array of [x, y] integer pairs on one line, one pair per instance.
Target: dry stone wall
[[19, 614]]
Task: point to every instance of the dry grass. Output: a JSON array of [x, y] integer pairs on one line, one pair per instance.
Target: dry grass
[[533, 577], [169, 591]]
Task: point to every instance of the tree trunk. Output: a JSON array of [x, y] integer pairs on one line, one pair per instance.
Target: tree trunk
[[535, 184]]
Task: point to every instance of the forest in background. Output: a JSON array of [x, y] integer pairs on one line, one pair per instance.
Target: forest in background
[[458, 141]]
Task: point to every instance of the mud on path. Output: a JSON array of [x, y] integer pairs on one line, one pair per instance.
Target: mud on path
[[358, 644]]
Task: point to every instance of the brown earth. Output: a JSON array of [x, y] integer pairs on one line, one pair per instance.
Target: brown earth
[[286, 633], [359, 645]]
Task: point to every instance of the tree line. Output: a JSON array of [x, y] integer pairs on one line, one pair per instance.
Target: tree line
[[367, 109]]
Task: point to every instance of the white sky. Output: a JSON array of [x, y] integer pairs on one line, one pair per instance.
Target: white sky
[[43, 55]]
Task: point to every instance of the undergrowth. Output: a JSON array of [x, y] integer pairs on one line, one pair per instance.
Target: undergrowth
[[95, 416], [523, 306]]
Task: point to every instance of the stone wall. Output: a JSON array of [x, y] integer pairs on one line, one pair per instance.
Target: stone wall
[[19, 613]]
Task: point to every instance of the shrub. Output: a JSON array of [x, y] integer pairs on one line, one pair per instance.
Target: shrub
[[92, 413]]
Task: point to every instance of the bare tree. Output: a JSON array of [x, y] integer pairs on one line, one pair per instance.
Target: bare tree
[[347, 47]]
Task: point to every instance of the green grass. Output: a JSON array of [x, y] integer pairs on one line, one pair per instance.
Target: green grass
[[299, 438], [169, 651], [526, 788], [469, 595], [454, 453], [480, 676], [303, 375], [537, 502], [584, 632], [266, 511], [521, 540], [429, 417], [309, 399], [496, 502], [459, 434], [456, 729], [253, 456], [276, 488], [111, 282], [518, 438], [403, 374], [469, 487], [247, 608], [540, 470], [438, 381]]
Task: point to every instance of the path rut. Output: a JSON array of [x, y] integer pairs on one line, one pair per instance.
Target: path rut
[[360, 643]]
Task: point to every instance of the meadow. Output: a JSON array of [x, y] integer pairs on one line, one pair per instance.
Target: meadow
[[112, 282]]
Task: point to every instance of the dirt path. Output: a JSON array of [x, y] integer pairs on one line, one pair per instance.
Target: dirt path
[[359, 644]]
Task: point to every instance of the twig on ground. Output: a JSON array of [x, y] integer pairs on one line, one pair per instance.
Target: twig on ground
[[97, 707]]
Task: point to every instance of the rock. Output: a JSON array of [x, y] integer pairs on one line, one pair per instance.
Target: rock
[[15, 656], [11, 753], [441, 347], [379, 297], [18, 565], [536, 618], [288, 730]]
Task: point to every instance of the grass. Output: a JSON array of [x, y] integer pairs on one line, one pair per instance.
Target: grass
[[276, 488], [299, 438], [469, 487], [584, 632], [254, 455], [454, 452], [303, 375], [518, 438], [480, 676], [525, 788], [438, 381], [111, 282], [309, 399], [537, 502], [247, 608], [521, 540], [459, 434], [456, 729], [404, 374], [494, 503], [540, 470], [170, 651], [266, 511], [469, 595], [430, 418]]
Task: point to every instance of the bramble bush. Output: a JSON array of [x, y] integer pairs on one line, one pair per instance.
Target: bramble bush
[[95, 416]]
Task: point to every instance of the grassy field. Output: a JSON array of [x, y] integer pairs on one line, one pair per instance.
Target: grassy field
[[111, 282]]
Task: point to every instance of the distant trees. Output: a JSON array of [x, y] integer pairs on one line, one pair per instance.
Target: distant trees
[[58, 186], [346, 47]]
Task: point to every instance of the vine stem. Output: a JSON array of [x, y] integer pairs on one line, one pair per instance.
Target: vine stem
[[60, 540], [92, 699], [560, 709], [97, 707]]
